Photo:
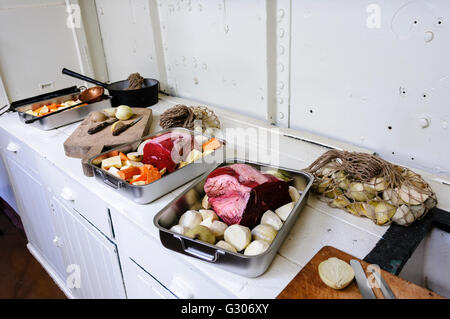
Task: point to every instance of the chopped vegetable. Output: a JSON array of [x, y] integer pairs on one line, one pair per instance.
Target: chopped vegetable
[[123, 157], [212, 144], [128, 172], [112, 161]]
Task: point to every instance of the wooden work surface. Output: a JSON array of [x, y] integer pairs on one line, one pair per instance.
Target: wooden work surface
[[82, 145], [308, 285]]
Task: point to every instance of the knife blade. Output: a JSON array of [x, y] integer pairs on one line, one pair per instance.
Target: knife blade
[[101, 126], [361, 280], [125, 127], [385, 289]]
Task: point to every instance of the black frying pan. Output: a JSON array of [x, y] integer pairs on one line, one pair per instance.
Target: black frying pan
[[144, 97]]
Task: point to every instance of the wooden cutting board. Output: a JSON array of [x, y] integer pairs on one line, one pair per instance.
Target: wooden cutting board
[[308, 285], [83, 145]]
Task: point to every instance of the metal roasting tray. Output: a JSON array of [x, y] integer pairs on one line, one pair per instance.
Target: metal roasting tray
[[248, 266], [144, 194], [65, 117]]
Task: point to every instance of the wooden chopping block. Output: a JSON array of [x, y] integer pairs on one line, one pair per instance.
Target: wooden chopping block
[[308, 285], [82, 145]]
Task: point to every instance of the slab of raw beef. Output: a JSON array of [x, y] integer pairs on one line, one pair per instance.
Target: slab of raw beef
[[166, 150], [240, 194]]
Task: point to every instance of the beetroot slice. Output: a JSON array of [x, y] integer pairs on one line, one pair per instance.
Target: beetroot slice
[[158, 156]]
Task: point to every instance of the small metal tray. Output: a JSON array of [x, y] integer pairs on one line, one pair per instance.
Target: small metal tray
[[144, 194], [249, 266], [61, 118]]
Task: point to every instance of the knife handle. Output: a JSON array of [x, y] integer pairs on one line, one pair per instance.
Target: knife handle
[[100, 127], [119, 130]]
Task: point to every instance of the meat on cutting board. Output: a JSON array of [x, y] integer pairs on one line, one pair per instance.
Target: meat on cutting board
[[240, 194]]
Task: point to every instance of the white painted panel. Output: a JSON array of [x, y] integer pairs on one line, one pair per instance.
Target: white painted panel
[[35, 45], [215, 52], [127, 36], [96, 256], [352, 82], [35, 213]]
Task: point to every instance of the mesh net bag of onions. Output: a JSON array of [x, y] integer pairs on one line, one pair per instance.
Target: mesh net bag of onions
[[366, 185]]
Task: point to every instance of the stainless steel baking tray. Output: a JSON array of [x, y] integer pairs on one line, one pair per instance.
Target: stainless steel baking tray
[[65, 117], [144, 194], [249, 266]]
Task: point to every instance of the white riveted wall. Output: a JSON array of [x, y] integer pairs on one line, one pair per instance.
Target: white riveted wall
[[35, 44], [381, 86]]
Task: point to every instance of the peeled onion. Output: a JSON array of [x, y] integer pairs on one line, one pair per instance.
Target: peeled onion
[[123, 112]]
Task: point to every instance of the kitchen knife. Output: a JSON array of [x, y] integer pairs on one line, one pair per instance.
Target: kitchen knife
[[120, 129], [361, 280], [385, 289], [101, 126]]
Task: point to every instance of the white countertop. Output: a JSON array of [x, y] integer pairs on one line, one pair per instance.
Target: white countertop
[[317, 226]]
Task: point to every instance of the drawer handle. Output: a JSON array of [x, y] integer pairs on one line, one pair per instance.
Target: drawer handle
[[199, 254], [12, 147], [67, 194]]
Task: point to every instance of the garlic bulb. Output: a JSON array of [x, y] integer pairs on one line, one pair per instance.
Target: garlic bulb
[[190, 219], [391, 196], [403, 216], [377, 184], [384, 212], [264, 232], [271, 219], [340, 202], [342, 181], [411, 196], [256, 247], [357, 192], [238, 236], [417, 210]]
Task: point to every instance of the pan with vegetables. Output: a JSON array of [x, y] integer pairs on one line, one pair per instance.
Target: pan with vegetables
[[54, 112], [148, 168], [236, 215]]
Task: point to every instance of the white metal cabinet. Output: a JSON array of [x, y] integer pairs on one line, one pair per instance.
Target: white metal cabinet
[[142, 285], [166, 266], [35, 213], [90, 258]]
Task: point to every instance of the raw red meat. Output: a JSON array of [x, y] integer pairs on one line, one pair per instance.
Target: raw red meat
[[240, 194], [166, 150]]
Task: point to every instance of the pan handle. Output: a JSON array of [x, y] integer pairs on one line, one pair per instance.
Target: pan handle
[[83, 77], [199, 254]]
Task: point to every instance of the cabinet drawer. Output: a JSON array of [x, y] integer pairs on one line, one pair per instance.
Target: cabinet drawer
[[168, 267], [75, 196], [19, 152], [142, 285]]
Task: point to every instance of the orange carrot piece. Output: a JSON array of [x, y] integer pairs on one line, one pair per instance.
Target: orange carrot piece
[[53, 106], [128, 172], [123, 157], [148, 174], [212, 144]]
